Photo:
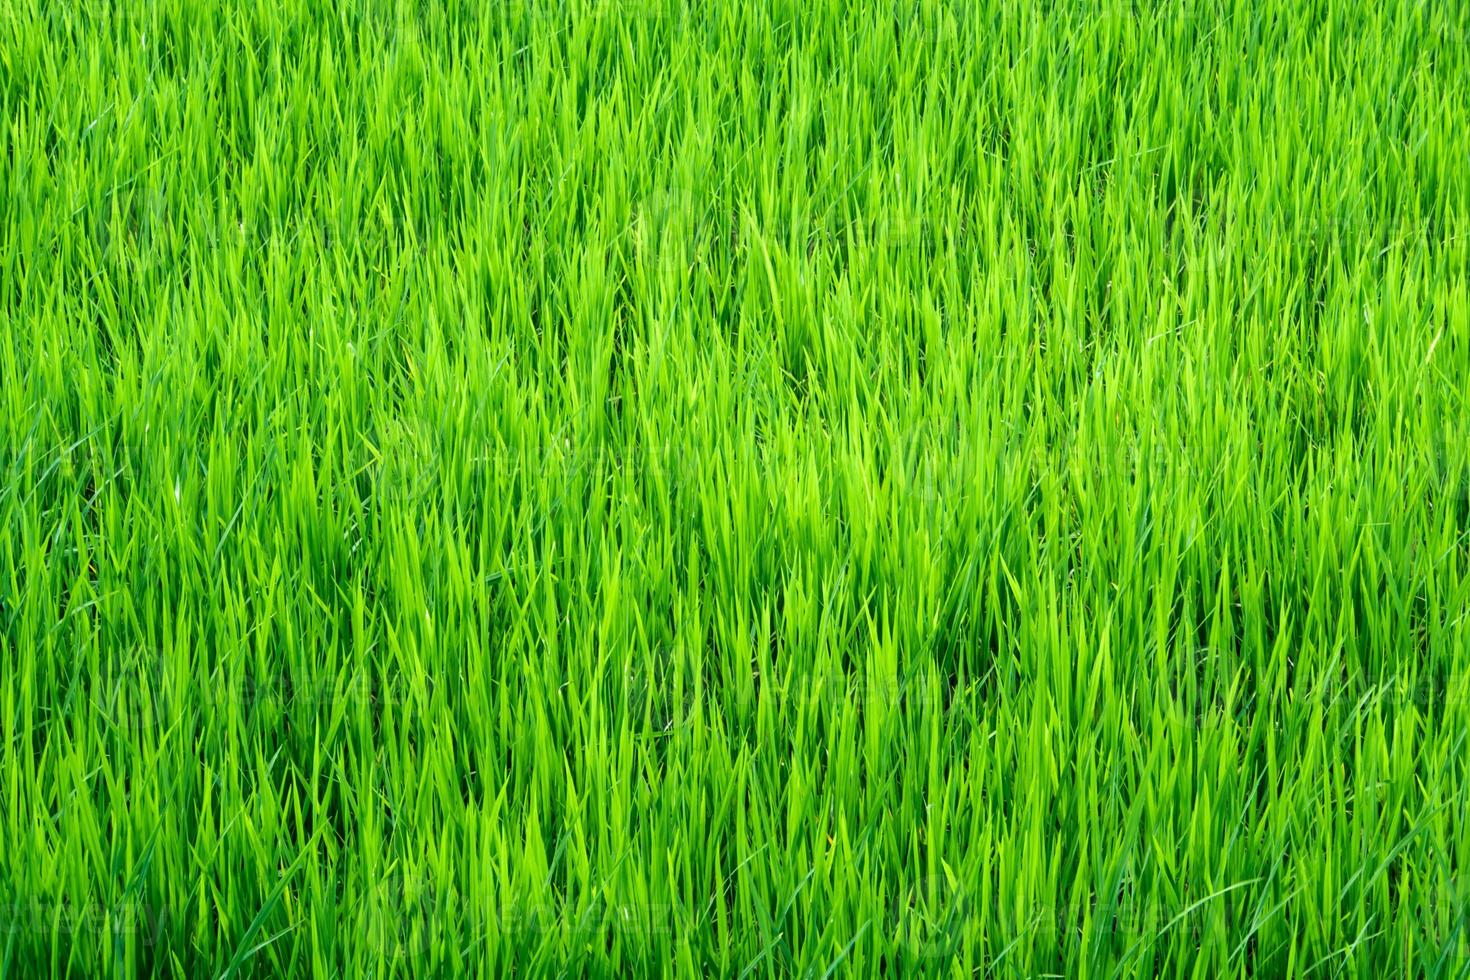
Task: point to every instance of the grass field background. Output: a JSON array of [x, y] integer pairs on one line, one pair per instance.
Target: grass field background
[[622, 487]]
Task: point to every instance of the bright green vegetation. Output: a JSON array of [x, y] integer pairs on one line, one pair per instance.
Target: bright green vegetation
[[746, 488]]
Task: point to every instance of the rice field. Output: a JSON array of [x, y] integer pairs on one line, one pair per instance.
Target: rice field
[[741, 488]]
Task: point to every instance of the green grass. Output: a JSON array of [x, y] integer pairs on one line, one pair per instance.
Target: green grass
[[747, 488]]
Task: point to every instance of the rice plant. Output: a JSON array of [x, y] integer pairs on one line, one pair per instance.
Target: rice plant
[[754, 489]]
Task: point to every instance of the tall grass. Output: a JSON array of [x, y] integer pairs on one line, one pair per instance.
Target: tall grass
[[629, 487]]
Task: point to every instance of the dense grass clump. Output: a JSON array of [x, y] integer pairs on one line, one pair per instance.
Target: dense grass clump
[[746, 488]]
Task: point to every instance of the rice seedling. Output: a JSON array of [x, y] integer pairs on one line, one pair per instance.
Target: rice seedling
[[641, 487]]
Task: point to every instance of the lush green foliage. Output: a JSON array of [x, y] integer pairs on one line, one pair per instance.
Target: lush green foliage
[[737, 487]]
